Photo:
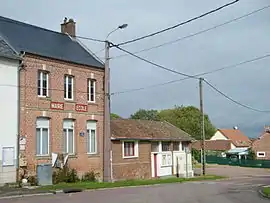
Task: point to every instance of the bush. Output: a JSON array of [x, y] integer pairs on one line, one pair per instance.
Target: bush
[[32, 180], [90, 176], [65, 175]]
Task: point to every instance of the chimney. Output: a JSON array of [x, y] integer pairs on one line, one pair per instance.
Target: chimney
[[68, 26]]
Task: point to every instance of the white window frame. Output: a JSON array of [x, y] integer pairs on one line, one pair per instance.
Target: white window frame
[[65, 131], [91, 125], [90, 81], [168, 156], [40, 77], [66, 87], [260, 156], [136, 149], [42, 126]]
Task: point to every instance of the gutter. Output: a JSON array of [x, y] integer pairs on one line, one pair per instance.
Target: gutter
[[21, 67]]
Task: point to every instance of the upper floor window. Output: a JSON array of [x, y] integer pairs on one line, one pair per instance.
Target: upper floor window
[[166, 146], [42, 136], [176, 146], [68, 87], [43, 84], [91, 90]]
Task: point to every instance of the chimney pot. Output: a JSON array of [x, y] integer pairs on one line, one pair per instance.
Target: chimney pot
[[68, 26]]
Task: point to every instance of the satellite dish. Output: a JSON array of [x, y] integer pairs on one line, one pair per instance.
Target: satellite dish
[[235, 127]]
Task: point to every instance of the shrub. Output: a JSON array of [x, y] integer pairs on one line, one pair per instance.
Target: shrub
[[90, 176], [32, 180], [65, 175]]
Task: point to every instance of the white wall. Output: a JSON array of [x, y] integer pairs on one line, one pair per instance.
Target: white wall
[[218, 136], [8, 116]]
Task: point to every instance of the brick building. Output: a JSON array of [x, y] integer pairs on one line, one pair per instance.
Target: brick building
[[61, 96], [261, 145], [144, 149]]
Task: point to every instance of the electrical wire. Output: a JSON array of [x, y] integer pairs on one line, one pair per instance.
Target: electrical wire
[[233, 100], [194, 34], [25, 24], [154, 64], [197, 75], [179, 24]]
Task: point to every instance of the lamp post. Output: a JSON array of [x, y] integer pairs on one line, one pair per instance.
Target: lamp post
[[107, 151]]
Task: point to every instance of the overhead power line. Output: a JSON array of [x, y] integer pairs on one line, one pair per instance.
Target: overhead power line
[[179, 24], [154, 64], [196, 75], [195, 34], [233, 100]]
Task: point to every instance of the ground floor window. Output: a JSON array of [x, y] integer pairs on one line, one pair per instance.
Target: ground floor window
[[130, 149], [68, 136], [91, 137], [42, 136], [166, 160], [176, 146]]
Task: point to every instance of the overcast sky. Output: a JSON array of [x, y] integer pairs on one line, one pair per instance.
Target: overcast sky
[[236, 42]]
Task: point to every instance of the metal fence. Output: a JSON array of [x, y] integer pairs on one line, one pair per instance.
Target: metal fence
[[238, 162]]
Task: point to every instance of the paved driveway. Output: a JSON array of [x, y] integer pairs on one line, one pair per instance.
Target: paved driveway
[[234, 171], [233, 191]]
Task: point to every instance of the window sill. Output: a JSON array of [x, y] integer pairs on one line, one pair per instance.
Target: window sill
[[69, 101], [43, 157], [165, 166], [130, 157], [45, 98], [92, 103], [72, 156]]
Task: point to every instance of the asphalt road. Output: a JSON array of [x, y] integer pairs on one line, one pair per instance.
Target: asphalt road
[[234, 191]]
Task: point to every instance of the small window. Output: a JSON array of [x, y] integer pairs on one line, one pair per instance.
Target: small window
[[68, 87], [42, 136], [130, 149], [91, 90], [176, 146], [260, 154], [91, 137], [166, 160], [43, 84], [166, 146], [68, 136], [185, 146], [155, 146]]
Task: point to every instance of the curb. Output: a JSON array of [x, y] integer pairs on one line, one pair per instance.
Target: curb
[[27, 195], [263, 195]]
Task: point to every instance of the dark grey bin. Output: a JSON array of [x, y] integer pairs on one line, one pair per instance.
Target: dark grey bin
[[44, 174]]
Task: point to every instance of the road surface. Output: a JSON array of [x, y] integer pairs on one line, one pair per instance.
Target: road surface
[[230, 191]]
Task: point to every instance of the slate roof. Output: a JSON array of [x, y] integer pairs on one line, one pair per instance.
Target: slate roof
[[43, 42], [213, 145], [147, 130], [6, 50], [236, 136]]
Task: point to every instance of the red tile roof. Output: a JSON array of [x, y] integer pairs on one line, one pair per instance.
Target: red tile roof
[[146, 130], [236, 136], [213, 145]]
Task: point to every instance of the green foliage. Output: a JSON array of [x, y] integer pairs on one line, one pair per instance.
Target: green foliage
[[32, 180], [90, 176], [186, 118], [114, 116], [146, 115], [65, 175], [251, 154], [196, 154]]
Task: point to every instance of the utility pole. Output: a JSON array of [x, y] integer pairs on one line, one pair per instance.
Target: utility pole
[[107, 154], [202, 126]]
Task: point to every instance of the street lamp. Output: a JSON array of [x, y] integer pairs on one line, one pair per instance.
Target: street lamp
[[107, 152]]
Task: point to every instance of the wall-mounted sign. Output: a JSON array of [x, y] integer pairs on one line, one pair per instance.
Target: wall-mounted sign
[[81, 108], [82, 134], [57, 105]]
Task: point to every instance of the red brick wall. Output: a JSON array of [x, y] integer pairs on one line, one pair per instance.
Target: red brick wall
[[32, 107], [131, 168]]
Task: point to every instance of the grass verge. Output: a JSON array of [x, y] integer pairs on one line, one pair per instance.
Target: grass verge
[[96, 185], [266, 191]]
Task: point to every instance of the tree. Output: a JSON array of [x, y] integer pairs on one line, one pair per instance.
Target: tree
[[146, 115], [251, 154], [114, 116], [188, 119]]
